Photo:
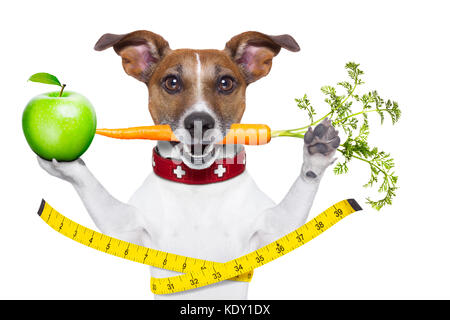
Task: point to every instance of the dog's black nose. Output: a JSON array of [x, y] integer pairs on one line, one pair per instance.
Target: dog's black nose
[[198, 121]]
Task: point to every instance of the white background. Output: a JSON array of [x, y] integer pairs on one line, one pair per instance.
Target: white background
[[403, 47]]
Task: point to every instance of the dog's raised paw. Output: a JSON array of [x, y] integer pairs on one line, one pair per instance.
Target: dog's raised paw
[[324, 138]]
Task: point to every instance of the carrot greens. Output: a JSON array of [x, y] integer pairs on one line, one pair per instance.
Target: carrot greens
[[349, 110]]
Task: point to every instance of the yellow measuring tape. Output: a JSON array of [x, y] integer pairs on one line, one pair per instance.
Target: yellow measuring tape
[[197, 272]]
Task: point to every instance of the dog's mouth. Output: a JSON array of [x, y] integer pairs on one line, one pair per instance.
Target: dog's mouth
[[198, 150], [196, 156], [196, 153], [199, 155], [199, 134]]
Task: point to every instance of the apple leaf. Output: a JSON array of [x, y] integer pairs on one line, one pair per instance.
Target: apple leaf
[[43, 77]]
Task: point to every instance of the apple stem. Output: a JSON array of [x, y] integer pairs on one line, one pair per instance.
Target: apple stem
[[62, 89]]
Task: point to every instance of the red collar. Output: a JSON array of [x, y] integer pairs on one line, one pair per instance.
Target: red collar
[[221, 170]]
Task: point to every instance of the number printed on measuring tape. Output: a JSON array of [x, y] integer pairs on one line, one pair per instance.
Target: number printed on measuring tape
[[197, 272]]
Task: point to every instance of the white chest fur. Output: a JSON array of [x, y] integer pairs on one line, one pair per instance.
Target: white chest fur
[[213, 222]]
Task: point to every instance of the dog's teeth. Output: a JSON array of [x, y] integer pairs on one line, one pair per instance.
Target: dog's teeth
[[202, 158], [198, 160]]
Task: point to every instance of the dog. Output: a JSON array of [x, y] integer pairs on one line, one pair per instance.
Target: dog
[[194, 203]]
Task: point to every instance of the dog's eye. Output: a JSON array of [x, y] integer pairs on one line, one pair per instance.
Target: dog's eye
[[172, 84], [226, 84]]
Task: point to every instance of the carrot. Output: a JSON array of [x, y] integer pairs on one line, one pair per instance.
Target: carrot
[[249, 134], [159, 132]]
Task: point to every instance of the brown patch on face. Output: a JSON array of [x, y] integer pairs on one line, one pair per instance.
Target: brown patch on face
[[168, 107], [217, 66]]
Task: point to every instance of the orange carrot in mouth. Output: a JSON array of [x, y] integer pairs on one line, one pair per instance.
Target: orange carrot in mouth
[[159, 132], [249, 134]]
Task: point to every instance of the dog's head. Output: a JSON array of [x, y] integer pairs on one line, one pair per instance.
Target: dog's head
[[199, 93]]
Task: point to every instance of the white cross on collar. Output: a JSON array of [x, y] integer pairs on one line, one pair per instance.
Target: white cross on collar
[[220, 171], [179, 172]]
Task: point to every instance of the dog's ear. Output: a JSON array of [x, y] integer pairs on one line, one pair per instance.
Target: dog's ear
[[253, 52], [140, 51]]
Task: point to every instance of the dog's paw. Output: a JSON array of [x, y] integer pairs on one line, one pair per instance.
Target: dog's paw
[[320, 146], [68, 171], [323, 139]]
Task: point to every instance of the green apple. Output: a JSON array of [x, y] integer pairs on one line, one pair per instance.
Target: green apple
[[59, 125]]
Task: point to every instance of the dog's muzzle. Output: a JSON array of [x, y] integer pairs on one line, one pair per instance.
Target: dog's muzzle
[[198, 138]]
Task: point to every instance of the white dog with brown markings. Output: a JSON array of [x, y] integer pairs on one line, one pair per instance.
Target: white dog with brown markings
[[199, 201]]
